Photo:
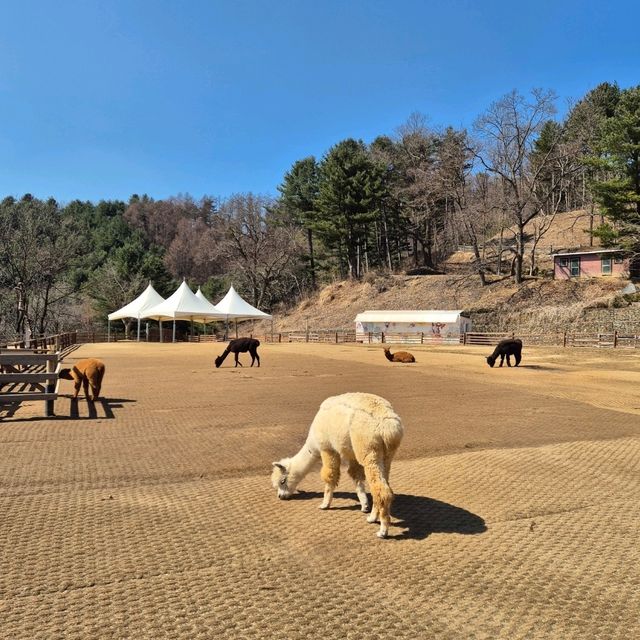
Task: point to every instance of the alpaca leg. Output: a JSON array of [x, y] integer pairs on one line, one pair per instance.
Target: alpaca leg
[[375, 472], [356, 471], [518, 357], [96, 391], [85, 386], [258, 358], [330, 475], [76, 387], [501, 359], [508, 359]]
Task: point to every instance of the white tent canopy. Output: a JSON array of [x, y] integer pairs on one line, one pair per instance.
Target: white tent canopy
[[183, 304], [147, 299], [233, 306]]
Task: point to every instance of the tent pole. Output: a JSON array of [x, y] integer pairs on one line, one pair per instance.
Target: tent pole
[[236, 327], [174, 330], [108, 330], [138, 329], [160, 321]]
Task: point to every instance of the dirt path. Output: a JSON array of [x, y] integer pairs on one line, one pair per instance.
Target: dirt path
[[152, 516]]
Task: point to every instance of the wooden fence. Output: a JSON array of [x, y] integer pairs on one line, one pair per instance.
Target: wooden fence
[[615, 340], [29, 370], [29, 375]]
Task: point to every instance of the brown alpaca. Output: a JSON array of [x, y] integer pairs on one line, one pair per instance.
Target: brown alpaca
[[399, 356], [87, 372]]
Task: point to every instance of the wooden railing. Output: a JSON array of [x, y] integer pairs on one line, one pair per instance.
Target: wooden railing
[[27, 374], [29, 369]]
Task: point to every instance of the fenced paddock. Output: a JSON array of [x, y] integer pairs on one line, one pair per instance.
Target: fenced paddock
[[158, 521]]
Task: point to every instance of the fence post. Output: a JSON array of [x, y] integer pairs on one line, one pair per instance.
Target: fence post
[[615, 339], [369, 337], [422, 337], [336, 337], [464, 338], [382, 337], [279, 337], [51, 386], [564, 339]]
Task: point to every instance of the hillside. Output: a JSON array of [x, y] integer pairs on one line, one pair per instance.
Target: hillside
[[537, 303], [568, 231]]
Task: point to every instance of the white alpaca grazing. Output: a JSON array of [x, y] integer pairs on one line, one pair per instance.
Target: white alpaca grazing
[[359, 429]]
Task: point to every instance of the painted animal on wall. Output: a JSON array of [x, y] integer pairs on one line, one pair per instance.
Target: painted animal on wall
[[506, 348], [240, 345], [86, 373], [359, 429], [399, 356]]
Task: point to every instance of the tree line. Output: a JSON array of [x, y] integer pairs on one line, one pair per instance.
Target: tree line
[[402, 201]]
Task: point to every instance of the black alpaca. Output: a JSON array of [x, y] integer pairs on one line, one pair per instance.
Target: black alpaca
[[241, 345], [507, 348]]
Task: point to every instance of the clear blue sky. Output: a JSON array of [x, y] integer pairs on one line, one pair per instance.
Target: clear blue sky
[[102, 99]]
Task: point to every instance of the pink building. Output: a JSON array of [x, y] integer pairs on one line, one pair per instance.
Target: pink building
[[590, 263]]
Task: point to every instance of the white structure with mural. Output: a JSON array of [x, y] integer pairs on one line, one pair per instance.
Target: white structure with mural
[[414, 326]]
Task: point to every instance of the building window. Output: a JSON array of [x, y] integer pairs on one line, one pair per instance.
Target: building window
[[606, 266], [617, 260], [574, 267], [563, 262]]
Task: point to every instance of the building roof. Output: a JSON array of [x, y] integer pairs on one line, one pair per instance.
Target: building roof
[[414, 316], [581, 252]]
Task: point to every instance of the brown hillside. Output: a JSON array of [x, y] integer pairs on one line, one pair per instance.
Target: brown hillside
[[542, 301], [569, 230]]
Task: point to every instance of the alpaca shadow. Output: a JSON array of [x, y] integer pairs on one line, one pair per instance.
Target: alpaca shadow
[[421, 516], [537, 367], [417, 515], [106, 405]]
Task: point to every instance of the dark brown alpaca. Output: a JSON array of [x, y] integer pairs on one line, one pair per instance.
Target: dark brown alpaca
[[241, 345], [399, 356]]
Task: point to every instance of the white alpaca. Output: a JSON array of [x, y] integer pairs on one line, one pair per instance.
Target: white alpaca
[[363, 431]]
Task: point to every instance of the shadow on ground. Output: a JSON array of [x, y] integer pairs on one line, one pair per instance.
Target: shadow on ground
[[417, 515], [102, 408]]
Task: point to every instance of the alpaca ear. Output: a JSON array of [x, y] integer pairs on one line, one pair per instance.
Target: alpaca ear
[[280, 466]]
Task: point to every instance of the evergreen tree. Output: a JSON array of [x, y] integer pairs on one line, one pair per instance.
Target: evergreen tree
[[299, 195], [619, 195], [351, 187]]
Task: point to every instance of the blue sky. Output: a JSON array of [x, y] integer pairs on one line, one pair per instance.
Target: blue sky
[[102, 99]]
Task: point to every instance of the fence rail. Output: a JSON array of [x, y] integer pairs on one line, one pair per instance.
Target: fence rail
[[29, 370]]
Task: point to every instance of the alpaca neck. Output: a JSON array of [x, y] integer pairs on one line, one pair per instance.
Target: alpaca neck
[[301, 463], [388, 355]]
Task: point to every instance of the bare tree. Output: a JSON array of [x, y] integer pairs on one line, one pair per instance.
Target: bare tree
[[261, 252], [508, 132]]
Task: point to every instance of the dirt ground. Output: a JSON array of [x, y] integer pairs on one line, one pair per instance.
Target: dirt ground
[[151, 515]]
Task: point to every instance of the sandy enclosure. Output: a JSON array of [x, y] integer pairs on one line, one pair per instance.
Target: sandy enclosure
[[150, 514]]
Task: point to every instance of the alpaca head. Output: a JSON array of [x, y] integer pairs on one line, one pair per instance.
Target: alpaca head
[[281, 480], [65, 374], [387, 353], [218, 361], [491, 360]]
